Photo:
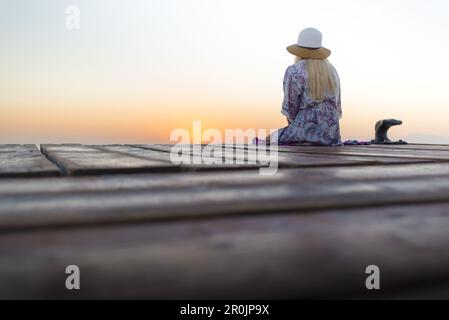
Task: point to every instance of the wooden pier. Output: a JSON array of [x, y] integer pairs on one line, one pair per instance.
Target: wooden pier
[[139, 226]]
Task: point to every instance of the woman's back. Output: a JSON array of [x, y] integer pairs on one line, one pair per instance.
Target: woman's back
[[312, 99], [306, 80]]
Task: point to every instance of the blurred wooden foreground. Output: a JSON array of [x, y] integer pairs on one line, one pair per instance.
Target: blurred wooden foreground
[[140, 227]]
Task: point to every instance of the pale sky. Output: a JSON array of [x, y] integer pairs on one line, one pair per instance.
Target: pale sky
[[136, 70]]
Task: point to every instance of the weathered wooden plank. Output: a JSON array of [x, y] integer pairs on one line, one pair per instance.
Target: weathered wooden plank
[[201, 163], [40, 210], [319, 255], [136, 182], [18, 148], [82, 160], [167, 181], [398, 152], [409, 147], [291, 159], [24, 161], [252, 157], [365, 151]]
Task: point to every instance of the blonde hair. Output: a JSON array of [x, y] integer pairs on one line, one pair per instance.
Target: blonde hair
[[321, 79]]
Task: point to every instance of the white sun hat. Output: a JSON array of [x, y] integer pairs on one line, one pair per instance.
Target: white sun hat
[[309, 45]]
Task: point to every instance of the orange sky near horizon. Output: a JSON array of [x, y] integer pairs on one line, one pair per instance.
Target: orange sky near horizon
[[103, 125]]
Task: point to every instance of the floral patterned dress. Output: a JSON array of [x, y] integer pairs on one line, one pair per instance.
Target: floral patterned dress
[[311, 121]]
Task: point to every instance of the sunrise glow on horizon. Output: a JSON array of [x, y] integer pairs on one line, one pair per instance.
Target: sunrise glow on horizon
[[136, 70]]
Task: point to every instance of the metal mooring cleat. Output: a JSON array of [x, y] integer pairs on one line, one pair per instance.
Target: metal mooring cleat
[[382, 127]]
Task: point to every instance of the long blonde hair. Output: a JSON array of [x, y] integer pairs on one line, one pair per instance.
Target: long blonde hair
[[321, 78]]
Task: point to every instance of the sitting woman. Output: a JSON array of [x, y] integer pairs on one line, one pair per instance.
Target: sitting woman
[[311, 95]]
